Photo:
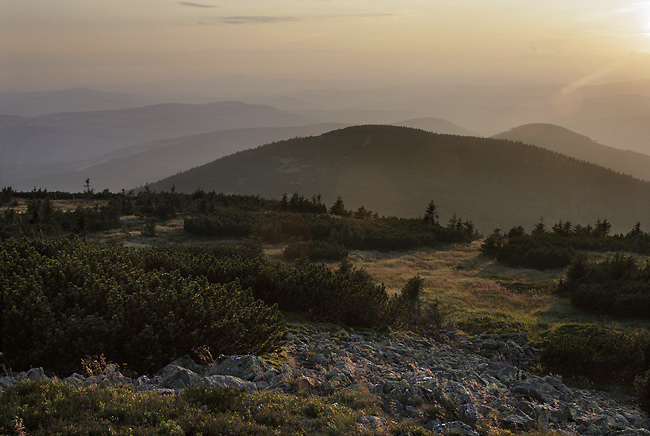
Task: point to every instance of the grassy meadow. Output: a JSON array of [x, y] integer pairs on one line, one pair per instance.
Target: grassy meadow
[[482, 295]]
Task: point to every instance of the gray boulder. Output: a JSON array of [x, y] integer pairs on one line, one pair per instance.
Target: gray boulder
[[247, 367]]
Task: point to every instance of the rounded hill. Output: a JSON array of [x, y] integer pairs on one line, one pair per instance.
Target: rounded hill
[[397, 171]]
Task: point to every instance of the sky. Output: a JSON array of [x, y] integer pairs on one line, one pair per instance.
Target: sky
[[56, 44]]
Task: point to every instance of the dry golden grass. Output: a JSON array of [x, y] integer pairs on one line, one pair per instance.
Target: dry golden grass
[[466, 284], [20, 204], [471, 286]]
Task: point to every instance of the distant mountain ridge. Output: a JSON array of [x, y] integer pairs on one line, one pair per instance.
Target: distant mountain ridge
[[570, 143], [47, 144], [397, 171], [33, 104], [436, 125], [136, 165]]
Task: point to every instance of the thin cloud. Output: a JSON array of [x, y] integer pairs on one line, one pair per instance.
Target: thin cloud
[[256, 19], [266, 19], [197, 5]]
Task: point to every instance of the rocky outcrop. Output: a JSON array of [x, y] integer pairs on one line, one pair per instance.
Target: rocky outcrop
[[449, 384]]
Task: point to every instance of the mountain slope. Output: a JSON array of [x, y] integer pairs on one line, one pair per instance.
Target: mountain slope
[[572, 144], [79, 135], [41, 145], [397, 171], [33, 104], [436, 125], [139, 164]]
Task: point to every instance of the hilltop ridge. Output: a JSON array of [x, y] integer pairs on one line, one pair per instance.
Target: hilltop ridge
[[561, 140], [397, 171]]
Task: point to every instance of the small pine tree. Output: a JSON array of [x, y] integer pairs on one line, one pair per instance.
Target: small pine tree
[[431, 214], [411, 293], [338, 208]]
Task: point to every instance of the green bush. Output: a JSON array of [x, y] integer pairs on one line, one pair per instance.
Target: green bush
[[296, 250], [615, 287], [535, 251], [327, 251], [642, 384], [598, 354], [222, 222], [63, 300]]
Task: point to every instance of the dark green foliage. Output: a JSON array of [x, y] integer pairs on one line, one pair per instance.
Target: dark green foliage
[[42, 220], [62, 300], [300, 204], [615, 287], [6, 195], [540, 251], [413, 289], [557, 248], [601, 355], [345, 295], [330, 232], [338, 208], [296, 250], [149, 228], [411, 294], [493, 244], [431, 214], [222, 222], [276, 227], [642, 384], [327, 250]]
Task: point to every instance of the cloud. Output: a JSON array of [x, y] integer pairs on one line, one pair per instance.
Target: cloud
[[254, 19], [197, 5], [266, 19]]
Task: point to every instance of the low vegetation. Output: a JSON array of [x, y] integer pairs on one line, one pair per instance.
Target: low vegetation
[[616, 287], [64, 297], [63, 300], [46, 408], [557, 248]]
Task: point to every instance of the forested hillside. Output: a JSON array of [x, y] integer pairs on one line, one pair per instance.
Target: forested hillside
[[395, 170]]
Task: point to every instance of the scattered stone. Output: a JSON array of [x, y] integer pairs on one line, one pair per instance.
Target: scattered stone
[[177, 377], [371, 422], [455, 428], [410, 374], [230, 382], [518, 422], [247, 367], [36, 374]]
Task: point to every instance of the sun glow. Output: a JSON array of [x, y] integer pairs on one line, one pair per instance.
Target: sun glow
[[646, 19]]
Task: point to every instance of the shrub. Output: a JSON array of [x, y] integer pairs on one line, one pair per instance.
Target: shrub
[[642, 384], [601, 355], [296, 250], [614, 287], [327, 251], [63, 300], [222, 222]]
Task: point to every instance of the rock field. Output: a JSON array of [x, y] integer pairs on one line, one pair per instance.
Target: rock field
[[467, 380]]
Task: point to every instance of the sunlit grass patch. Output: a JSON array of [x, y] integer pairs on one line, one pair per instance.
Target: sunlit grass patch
[[468, 286], [45, 408]]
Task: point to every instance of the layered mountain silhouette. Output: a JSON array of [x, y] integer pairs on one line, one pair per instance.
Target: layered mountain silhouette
[[139, 164], [397, 171], [565, 141], [436, 125], [54, 143], [33, 104]]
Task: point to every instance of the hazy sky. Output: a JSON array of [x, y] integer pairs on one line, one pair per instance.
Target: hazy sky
[[65, 43]]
